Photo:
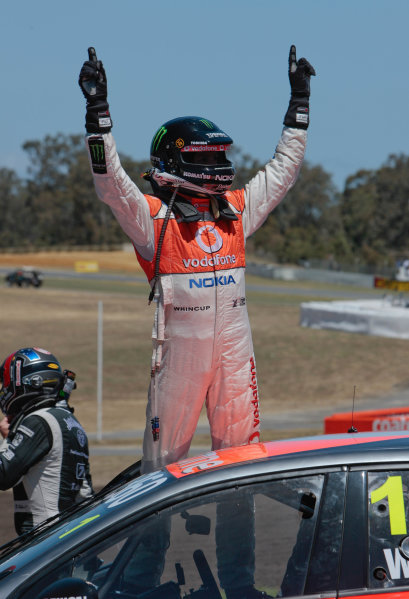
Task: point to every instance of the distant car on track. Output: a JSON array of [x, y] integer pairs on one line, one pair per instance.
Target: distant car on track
[[24, 277], [322, 516]]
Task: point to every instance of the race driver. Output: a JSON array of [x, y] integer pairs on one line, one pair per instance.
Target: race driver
[[189, 236], [44, 456]]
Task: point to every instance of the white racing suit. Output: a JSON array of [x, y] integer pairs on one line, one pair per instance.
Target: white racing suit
[[203, 350]]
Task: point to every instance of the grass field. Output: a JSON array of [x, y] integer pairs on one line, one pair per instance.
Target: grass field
[[297, 367]]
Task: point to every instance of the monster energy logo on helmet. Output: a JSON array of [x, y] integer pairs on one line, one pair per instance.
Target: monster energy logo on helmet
[[158, 138], [207, 123]]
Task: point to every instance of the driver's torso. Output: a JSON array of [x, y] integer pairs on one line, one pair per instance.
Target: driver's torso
[[201, 270]]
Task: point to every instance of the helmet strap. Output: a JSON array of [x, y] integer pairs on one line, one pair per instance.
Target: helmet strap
[[160, 244]]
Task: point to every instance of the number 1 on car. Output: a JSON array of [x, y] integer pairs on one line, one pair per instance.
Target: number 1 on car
[[393, 490]]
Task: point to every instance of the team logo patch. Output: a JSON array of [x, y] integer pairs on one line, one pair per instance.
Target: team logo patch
[[18, 438], [81, 437], [8, 454], [209, 234]]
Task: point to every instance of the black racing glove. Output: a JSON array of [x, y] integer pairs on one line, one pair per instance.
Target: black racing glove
[[93, 83], [299, 73]]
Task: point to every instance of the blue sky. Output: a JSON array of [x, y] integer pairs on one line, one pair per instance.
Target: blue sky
[[225, 60]]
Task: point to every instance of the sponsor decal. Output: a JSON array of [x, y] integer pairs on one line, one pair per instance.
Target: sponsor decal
[[8, 454], [18, 373], [207, 123], [80, 525], [33, 355], [212, 281], [27, 431], [190, 308], [52, 365], [21, 506], [302, 115], [255, 437], [398, 423], [208, 460], [72, 423], [224, 178], [196, 175], [104, 121], [217, 134], [214, 261], [210, 232], [80, 471], [206, 148], [81, 437], [215, 459], [137, 488], [158, 138], [97, 153], [302, 118], [398, 565], [180, 143], [240, 301], [17, 439]]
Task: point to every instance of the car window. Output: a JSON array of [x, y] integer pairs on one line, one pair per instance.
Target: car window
[[260, 534], [388, 510]]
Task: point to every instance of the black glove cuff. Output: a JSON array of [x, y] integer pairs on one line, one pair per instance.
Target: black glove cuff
[[98, 118], [298, 113]]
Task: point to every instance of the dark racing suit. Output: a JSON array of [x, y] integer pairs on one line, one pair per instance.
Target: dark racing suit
[[203, 349], [45, 461]]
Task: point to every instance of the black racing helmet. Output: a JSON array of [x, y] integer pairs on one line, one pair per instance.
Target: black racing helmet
[[194, 149], [28, 375]]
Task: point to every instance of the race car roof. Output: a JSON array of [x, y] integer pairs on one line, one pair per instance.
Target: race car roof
[[344, 444]]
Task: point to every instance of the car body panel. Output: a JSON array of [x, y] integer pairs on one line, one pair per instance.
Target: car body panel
[[132, 501]]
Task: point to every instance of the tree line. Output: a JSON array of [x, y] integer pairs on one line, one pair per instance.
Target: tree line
[[365, 224]]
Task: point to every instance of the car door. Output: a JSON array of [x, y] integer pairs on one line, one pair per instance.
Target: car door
[[375, 554], [279, 533]]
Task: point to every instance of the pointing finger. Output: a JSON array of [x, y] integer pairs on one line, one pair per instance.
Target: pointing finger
[[292, 60], [92, 55]]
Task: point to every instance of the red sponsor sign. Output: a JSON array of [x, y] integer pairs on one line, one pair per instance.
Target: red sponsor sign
[[378, 421]]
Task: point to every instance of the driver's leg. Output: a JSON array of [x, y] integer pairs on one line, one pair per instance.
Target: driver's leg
[[235, 543], [144, 570]]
